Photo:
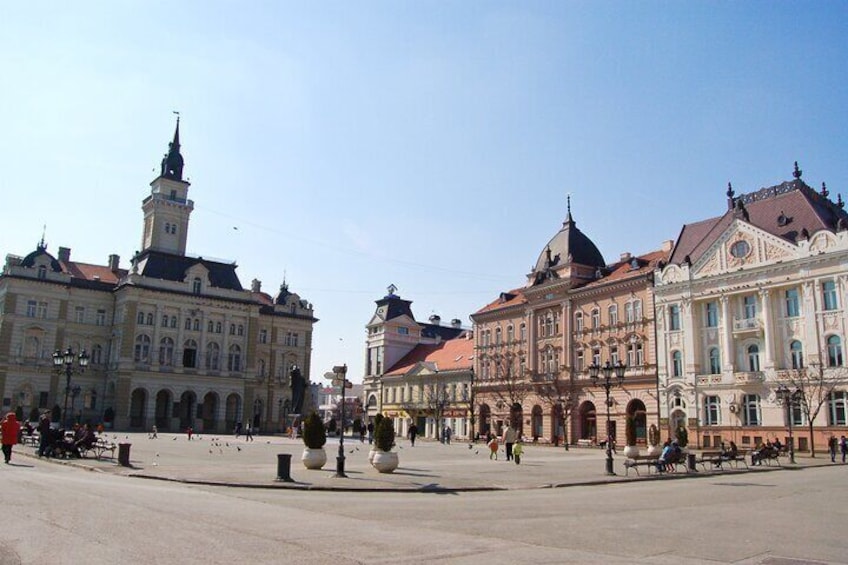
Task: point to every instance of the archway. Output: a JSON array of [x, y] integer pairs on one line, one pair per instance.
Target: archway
[[536, 422], [163, 410], [636, 410], [257, 413], [188, 403], [588, 421], [138, 406], [485, 415], [208, 411], [232, 411]]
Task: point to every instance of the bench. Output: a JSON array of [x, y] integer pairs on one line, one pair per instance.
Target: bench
[[768, 455], [99, 448], [718, 459], [585, 443], [31, 439], [649, 461]]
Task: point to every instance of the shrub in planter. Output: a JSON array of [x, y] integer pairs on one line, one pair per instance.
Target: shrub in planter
[[630, 431], [34, 415], [384, 434], [314, 434]]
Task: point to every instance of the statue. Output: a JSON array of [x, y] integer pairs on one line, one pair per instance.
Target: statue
[[298, 387]]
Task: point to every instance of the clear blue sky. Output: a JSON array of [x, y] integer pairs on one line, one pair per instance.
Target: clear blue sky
[[426, 144]]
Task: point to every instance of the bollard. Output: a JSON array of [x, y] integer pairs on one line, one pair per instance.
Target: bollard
[[124, 454], [690, 460], [284, 467]]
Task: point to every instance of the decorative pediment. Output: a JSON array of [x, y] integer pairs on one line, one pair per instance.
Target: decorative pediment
[[740, 246], [197, 270]]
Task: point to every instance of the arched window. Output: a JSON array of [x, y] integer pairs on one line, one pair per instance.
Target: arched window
[[497, 336], [190, 354], [140, 318], [612, 312], [166, 352], [210, 327], [218, 327], [834, 351], [142, 349], [188, 323], [42, 272], [213, 356], [232, 329], [240, 330], [549, 325], [197, 324], [97, 354], [149, 319], [234, 358], [753, 357], [797, 354], [164, 320], [596, 318], [510, 334], [173, 322], [715, 361], [523, 331], [676, 364]]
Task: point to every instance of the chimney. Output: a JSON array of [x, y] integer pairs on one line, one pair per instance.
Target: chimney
[[65, 254], [435, 319], [668, 245], [456, 323], [256, 285], [114, 262], [626, 256]]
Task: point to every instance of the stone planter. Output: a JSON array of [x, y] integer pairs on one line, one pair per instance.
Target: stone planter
[[385, 461], [371, 455], [314, 458], [631, 451], [654, 451]]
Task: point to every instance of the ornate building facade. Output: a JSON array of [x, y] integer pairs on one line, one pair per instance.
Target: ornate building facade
[[174, 341], [417, 372], [534, 344], [751, 306]]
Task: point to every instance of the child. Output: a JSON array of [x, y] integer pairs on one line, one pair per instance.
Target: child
[[493, 448], [517, 450]]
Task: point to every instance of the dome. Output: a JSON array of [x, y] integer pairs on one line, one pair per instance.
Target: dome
[[569, 245]]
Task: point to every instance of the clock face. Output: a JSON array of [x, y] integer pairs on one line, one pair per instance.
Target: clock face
[[740, 249]]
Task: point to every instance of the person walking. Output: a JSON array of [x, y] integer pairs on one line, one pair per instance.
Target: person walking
[[509, 437], [517, 451], [9, 429], [831, 447], [447, 435], [843, 447], [493, 448], [154, 432], [43, 434], [413, 433], [248, 433]]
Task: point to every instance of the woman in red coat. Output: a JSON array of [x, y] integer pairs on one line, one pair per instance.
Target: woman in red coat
[[9, 428]]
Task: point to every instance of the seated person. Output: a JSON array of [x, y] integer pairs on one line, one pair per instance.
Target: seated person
[[85, 439], [665, 456], [733, 451], [777, 445]]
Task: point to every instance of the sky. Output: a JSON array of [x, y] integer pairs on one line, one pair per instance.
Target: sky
[[346, 146]]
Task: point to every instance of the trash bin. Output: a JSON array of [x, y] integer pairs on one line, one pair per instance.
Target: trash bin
[[690, 461], [284, 467], [124, 454]]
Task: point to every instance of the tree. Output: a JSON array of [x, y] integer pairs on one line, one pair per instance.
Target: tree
[[509, 384], [814, 385], [436, 401], [557, 389]]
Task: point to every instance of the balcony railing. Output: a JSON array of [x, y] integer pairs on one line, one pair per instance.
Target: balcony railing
[[751, 377], [746, 324]]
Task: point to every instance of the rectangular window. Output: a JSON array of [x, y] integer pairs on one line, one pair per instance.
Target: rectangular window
[[750, 307], [42, 309], [837, 408], [613, 315], [263, 336], [79, 314], [596, 357], [628, 312], [829, 301], [674, 317], [793, 309], [403, 331], [712, 411], [294, 339], [100, 319], [43, 396], [31, 308], [613, 355], [578, 361], [751, 409], [711, 314]]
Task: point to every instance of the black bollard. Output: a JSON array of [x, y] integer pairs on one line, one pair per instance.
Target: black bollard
[[124, 454], [284, 467]]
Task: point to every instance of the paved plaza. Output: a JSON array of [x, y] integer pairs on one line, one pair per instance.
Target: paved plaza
[[427, 466], [445, 505]]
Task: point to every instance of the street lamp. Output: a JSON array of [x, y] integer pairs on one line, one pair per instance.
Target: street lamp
[[64, 363], [340, 371], [608, 370], [789, 398]]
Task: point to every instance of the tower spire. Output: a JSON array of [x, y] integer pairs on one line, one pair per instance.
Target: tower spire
[[568, 218], [172, 162]]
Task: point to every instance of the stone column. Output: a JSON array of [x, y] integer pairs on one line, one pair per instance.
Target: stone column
[[727, 354], [768, 329]]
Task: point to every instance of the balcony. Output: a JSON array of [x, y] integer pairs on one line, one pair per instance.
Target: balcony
[[710, 380], [746, 325], [748, 378]]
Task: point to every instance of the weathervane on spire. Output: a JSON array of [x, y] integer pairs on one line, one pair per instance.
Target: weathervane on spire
[[797, 172]]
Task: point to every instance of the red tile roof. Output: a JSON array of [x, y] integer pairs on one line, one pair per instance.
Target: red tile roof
[[89, 272], [622, 270], [506, 299], [451, 355]]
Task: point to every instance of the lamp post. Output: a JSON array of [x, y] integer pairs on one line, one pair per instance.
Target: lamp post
[[340, 371], [789, 398], [608, 370], [63, 362]]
